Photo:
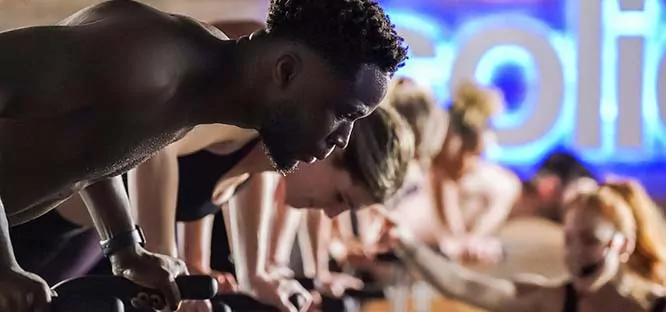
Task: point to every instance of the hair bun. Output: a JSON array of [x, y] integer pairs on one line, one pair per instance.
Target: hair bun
[[476, 104]]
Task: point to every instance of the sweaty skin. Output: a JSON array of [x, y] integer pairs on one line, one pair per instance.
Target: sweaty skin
[[86, 100], [96, 114]]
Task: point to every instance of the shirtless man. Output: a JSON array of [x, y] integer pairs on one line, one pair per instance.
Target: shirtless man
[[89, 99]]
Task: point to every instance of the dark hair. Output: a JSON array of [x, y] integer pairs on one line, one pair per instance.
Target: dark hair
[[379, 152], [565, 166], [347, 33]]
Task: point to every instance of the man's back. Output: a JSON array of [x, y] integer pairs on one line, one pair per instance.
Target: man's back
[[90, 99]]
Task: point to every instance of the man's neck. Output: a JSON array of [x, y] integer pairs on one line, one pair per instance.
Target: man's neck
[[226, 97]]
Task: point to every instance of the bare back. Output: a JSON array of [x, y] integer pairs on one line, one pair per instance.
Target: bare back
[[90, 100]]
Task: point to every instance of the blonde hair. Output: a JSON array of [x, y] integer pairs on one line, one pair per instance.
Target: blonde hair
[[417, 105], [474, 105], [635, 215], [379, 152]]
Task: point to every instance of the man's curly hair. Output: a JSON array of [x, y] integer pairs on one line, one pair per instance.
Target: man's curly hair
[[346, 33]]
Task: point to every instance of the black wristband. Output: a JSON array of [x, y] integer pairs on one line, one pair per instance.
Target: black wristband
[[123, 240]]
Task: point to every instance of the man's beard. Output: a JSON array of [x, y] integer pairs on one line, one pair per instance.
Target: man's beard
[[284, 167], [277, 135]]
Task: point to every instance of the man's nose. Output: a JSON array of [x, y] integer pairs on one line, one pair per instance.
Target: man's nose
[[340, 137]]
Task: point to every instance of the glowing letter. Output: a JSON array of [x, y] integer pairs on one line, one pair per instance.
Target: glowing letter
[[588, 134], [529, 35]]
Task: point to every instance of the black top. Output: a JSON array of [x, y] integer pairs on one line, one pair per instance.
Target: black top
[[571, 301], [198, 174]]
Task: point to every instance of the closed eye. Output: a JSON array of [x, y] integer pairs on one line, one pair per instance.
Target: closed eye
[[355, 115], [354, 112]]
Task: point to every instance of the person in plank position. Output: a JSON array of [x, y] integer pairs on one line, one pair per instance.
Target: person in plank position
[[86, 100]]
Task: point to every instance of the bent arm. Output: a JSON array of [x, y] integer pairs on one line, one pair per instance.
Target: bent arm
[[503, 198], [462, 284], [251, 218], [153, 190], [447, 204]]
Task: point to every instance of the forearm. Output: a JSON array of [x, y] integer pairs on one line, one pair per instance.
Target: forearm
[[323, 226], [109, 207], [285, 225], [314, 238], [489, 223], [195, 243], [251, 219], [455, 281], [7, 258], [500, 208], [153, 190], [447, 205]]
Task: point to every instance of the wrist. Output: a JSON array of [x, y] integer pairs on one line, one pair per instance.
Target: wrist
[[197, 268], [126, 255], [123, 242]]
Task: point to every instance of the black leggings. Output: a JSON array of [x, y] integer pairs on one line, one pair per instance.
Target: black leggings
[[55, 248]]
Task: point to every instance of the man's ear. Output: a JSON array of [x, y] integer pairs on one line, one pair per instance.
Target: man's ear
[[287, 66]]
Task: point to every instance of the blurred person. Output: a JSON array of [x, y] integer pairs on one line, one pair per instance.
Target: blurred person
[[473, 197], [614, 251], [452, 198], [116, 82], [560, 175]]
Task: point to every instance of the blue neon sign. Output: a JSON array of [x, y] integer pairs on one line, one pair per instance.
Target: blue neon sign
[[594, 82]]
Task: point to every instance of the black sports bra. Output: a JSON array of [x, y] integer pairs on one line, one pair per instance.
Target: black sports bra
[[571, 301], [198, 174]]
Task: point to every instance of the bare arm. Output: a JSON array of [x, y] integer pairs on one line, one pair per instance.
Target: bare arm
[[462, 284], [319, 229], [110, 210], [447, 202], [504, 195], [153, 189], [284, 227], [7, 257], [195, 244], [251, 217]]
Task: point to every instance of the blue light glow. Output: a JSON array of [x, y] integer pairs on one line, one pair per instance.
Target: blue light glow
[[497, 57], [436, 71]]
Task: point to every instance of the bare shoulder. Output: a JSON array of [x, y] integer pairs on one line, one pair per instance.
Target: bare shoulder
[[498, 177], [119, 10], [220, 138], [201, 26]]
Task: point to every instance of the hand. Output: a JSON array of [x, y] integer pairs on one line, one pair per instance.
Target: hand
[[226, 282], [281, 271], [487, 250], [22, 291], [152, 271], [196, 306], [389, 234], [335, 284], [353, 253], [276, 290], [452, 247]]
